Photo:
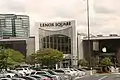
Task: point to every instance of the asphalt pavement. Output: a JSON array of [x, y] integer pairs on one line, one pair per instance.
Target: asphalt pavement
[[115, 76]]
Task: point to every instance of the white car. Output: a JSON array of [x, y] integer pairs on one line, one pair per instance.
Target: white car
[[75, 72], [9, 75], [6, 74], [23, 70], [17, 74], [63, 74], [80, 73], [68, 71], [83, 72], [54, 74]]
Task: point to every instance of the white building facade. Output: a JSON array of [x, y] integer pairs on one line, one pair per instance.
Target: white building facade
[[61, 36], [80, 46]]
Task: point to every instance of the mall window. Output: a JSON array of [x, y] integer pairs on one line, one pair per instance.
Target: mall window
[[59, 42]]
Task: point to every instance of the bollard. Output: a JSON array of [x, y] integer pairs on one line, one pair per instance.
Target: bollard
[[91, 72]]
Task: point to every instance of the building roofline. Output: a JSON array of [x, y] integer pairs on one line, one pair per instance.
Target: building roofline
[[13, 39], [23, 15], [103, 38], [15, 14], [7, 14]]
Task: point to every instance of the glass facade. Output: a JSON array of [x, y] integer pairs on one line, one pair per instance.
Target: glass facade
[[59, 42], [14, 45], [14, 25]]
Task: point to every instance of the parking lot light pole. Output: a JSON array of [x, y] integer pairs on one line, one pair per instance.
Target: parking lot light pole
[[88, 27]]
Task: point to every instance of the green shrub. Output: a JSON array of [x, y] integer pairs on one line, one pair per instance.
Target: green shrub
[[83, 62]]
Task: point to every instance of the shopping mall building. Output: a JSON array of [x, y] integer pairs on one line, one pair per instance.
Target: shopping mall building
[[100, 47], [61, 36]]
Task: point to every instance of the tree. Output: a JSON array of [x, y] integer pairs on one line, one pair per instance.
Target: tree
[[31, 59], [106, 62], [83, 62], [48, 57], [9, 57]]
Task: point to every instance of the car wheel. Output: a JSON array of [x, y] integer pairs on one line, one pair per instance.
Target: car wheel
[[8, 76]]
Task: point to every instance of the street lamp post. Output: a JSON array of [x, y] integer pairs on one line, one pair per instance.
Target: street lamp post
[[88, 25], [115, 62]]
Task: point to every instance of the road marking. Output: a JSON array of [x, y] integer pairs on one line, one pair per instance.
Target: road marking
[[103, 78], [83, 76], [115, 73]]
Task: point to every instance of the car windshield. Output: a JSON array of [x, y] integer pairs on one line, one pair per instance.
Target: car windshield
[[67, 71], [19, 69], [25, 69], [32, 73], [36, 76], [59, 71], [81, 69], [51, 72], [71, 69], [40, 73], [9, 71], [75, 70]]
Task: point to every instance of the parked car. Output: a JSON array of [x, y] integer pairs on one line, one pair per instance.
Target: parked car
[[63, 74], [43, 73], [40, 77], [7, 74], [24, 70], [74, 72], [53, 73], [29, 78], [17, 74], [18, 79], [80, 73], [70, 72]]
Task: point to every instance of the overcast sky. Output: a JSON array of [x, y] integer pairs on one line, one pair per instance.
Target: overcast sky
[[104, 14]]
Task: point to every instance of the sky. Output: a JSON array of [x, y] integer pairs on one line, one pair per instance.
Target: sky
[[104, 14]]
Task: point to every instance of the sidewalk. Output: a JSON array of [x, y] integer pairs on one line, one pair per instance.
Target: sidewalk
[[90, 72]]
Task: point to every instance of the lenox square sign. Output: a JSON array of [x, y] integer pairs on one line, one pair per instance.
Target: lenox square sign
[[56, 24]]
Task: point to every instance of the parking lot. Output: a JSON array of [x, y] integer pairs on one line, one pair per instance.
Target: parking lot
[[42, 74]]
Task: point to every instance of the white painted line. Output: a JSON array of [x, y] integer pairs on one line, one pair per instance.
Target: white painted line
[[103, 78], [81, 77], [115, 73]]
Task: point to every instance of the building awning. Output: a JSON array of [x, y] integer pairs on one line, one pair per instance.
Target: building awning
[[106, 54]]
